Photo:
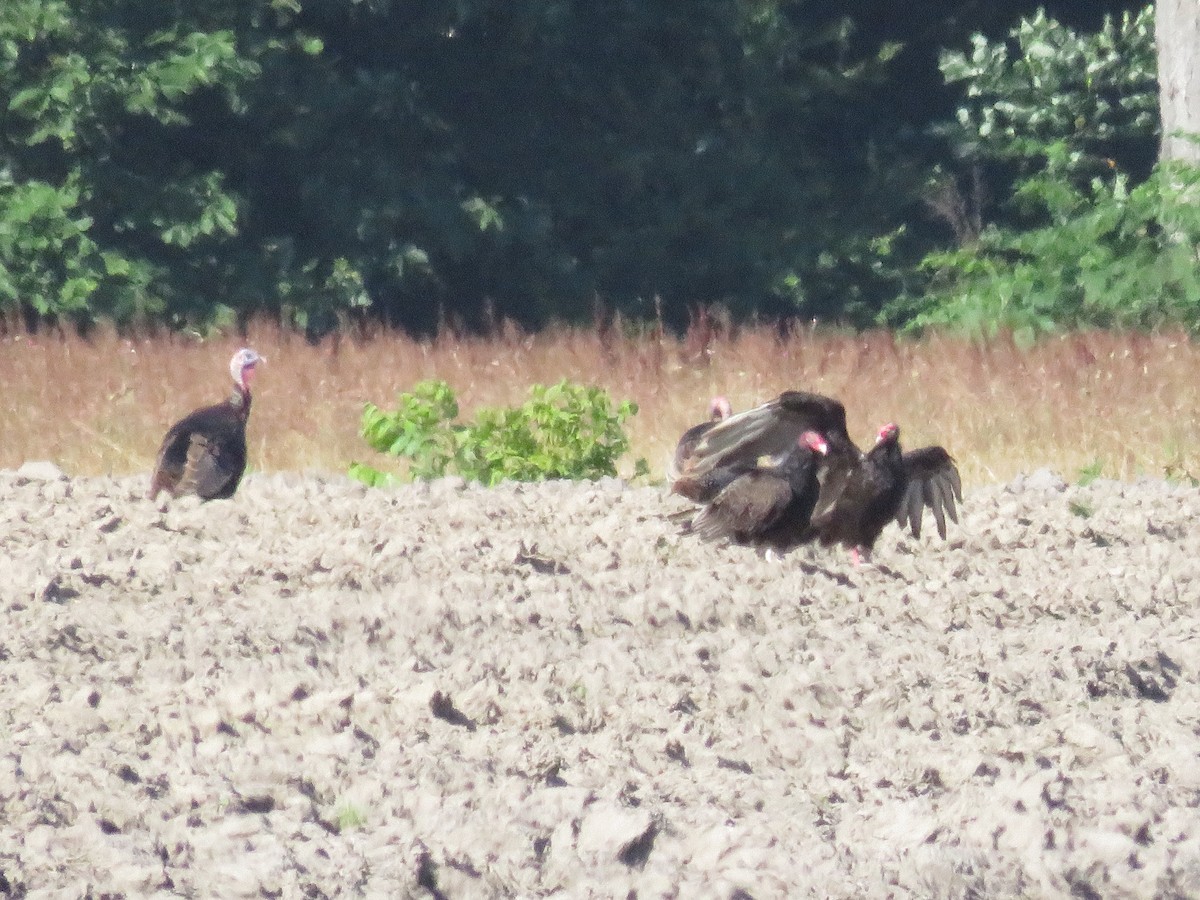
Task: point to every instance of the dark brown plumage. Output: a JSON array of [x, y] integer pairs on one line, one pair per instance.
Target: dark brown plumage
[[769, 505], [204, 453], [735, 446], [933, 484], [861, 494]]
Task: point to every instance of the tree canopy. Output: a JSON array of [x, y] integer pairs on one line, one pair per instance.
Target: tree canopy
[[412, 161]]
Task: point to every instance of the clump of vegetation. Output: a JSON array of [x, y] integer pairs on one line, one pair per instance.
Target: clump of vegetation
[[1090, 472], [1081, 508], [1175, 469], [562, 431], [1087, 238], [349, 816]]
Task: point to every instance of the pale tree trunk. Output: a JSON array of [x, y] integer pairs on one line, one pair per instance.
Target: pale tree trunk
[[1177, 35]]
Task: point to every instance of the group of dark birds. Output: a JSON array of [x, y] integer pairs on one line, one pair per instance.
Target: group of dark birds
[[786, 473], [777, 476]]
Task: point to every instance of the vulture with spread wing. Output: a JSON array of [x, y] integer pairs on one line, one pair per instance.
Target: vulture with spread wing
[[861, 494], [763, 436], [204, 453], [858, 493], [718, 410]]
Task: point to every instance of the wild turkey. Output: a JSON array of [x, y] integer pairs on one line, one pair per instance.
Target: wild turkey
[[204, 453]]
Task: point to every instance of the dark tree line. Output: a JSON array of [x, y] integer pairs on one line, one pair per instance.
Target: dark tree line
[[325, 159]]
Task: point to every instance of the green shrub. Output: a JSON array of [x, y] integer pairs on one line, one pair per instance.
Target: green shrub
[[1090, 472], [562, 431], [1109, 256], [1080, 242], [348, 816], [1055, 100]]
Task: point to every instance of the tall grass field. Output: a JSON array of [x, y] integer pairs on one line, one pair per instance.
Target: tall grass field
[[1113, 404]]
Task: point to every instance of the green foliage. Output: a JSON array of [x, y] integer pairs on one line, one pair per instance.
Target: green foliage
[[460, 160], [1081, 242], [1063, 103], [191, 162], [45, 252], [1090, 472], [563, 431], [1176, 472], [349, 816], [1081, 508], [1110, 255], [104, 212]]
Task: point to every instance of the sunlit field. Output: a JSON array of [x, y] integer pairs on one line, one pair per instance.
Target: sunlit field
[[1119, 405]]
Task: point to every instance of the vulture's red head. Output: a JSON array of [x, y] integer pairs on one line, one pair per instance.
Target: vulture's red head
[[241, 367], [719, 409], [888, 434], [814, 442]]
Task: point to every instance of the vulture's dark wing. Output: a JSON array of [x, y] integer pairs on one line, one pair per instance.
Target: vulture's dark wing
[[687, 446], [770, 430], [933, 482], [834, 473], [746, 508], [702, 487]]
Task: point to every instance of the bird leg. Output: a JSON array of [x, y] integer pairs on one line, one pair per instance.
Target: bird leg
[[860, 555]]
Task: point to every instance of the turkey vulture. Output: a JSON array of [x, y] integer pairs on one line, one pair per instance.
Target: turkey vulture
[[858, 492], [718, 409], [204, 453], [769, 505], [860, 495]]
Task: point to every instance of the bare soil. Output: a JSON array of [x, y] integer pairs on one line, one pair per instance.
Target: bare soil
[[317, 690]]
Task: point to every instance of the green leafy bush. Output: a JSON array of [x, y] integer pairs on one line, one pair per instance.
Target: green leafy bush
[[562, 431], [1056, 100], [1109, 256], [104, 213], [1081, 241]]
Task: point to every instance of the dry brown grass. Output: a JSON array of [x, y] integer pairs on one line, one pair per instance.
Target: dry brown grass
[[1125, 401]]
